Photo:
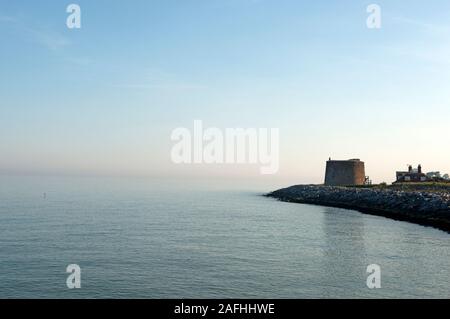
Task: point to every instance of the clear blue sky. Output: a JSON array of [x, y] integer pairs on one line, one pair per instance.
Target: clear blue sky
[[104, 99]]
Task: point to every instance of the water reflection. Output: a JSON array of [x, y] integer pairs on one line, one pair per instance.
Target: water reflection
[[344, 253]]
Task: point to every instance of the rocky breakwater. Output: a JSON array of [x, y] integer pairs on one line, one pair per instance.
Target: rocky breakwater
[[428, 208]]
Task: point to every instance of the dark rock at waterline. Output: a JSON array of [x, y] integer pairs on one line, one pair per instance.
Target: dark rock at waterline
[[423, 207]]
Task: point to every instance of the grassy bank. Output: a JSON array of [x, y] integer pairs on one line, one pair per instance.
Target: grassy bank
[[411, 187]]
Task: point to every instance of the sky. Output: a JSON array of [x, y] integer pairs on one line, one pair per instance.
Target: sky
[[105, 98]]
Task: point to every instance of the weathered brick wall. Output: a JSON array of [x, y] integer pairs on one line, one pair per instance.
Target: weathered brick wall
[[344, 173]]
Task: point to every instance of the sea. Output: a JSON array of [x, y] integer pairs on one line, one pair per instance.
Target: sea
[[160, 238]]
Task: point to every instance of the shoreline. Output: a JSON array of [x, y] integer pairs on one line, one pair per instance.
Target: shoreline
[[426, 208]]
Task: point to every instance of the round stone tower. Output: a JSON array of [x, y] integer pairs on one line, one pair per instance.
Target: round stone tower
[[345, 173]]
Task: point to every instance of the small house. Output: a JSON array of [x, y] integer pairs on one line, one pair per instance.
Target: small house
[[412, 175]]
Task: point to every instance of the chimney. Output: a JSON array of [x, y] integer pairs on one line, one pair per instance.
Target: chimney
[[419, 169], [409, 169]]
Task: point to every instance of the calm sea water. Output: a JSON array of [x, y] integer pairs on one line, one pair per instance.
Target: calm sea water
[[154, 239]]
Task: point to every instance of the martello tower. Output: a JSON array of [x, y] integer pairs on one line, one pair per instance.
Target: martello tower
[[343, 173]]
